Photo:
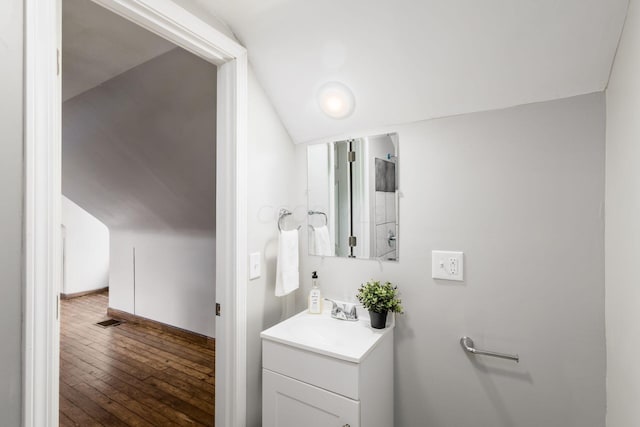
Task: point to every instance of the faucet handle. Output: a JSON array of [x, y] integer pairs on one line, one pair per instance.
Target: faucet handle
[[335, 307], [343, 310]]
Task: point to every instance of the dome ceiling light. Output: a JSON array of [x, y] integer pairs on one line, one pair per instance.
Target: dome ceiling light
[[336, 100]]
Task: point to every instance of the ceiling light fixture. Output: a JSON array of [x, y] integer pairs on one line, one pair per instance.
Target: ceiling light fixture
[[336, 100]]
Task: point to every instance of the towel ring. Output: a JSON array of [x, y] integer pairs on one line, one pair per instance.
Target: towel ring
[[281, 216], [326, 220]]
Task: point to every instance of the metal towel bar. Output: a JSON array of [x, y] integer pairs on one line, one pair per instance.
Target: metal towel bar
[[468, 346], [281, 216], [326, 220]]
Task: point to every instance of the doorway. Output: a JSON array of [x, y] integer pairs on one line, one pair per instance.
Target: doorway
[[138, 206], [42, 187]]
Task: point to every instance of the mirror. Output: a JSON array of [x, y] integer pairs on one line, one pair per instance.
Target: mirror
[[353, 198]]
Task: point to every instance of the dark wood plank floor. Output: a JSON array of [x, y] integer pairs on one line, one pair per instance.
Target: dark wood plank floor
[[130, 375]]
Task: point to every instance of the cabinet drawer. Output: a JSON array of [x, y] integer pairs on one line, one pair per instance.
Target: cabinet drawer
[[290, 403], [338, 376]]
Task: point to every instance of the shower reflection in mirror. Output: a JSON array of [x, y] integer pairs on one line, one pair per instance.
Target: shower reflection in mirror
[[353, 198]]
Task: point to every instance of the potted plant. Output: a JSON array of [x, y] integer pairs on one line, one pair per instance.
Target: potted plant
[[379, 299]]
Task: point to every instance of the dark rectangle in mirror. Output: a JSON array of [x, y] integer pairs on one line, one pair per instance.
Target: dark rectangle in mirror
[[385, 176]]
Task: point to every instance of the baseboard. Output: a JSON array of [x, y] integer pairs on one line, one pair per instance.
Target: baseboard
[[84, 293], [183, 333]]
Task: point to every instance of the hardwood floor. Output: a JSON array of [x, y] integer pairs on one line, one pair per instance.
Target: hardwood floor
[[130, 375]]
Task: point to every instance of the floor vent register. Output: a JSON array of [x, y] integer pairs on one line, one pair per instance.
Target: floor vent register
[[109, 322]]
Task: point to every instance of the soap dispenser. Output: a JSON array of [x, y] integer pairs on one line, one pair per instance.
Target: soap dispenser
[[315, 297]]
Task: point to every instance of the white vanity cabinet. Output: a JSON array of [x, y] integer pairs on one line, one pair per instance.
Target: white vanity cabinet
[[323, 372], [292, 403]]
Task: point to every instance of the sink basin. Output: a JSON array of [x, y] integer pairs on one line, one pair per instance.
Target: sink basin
[[320, 333]]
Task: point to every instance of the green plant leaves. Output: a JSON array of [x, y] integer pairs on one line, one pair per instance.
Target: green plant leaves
[[379, 298]]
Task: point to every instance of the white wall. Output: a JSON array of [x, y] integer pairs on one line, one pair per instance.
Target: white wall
[[272, 164], [520, 191], [623, 229], [86, 250], [11, 172], [174, 278]]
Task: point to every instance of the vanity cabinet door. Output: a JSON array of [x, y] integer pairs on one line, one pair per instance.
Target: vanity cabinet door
[[290, 403]]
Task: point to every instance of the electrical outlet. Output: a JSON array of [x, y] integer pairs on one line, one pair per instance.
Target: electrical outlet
[[453, 266], [447, 265]]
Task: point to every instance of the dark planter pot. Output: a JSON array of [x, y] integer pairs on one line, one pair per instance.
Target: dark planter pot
[[378, 320]]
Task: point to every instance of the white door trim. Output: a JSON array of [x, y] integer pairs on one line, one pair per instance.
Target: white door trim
[[42, 257]]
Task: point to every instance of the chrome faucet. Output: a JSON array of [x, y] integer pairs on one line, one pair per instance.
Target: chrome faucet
[[343, 310]]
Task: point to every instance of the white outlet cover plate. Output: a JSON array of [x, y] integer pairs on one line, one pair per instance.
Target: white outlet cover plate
[[447, 265], [254, 265]]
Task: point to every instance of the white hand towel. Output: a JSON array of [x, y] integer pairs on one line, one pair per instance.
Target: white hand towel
[[312, 240], [322, 242], [287, 276]]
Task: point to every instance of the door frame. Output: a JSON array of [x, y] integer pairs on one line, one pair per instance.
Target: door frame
[[42, 180]]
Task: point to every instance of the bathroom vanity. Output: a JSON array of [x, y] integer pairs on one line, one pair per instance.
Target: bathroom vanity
[[323, 372]]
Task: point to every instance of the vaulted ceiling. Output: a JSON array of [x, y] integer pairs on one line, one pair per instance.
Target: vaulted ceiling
[[138, 151], [98, 45], [138, 125], [404, 60], [408, 60]]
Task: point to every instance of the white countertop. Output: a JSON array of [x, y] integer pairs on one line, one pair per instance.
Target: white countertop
[[319, 333]]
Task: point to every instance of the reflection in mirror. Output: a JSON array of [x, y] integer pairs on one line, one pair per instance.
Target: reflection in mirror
[[353, 198]]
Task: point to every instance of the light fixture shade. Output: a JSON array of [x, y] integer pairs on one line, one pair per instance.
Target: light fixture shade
[[336, 100]]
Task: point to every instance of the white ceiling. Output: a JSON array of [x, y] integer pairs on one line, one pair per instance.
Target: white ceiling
[[98, 45], [138, 144], [409, 60], [138, 151]]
